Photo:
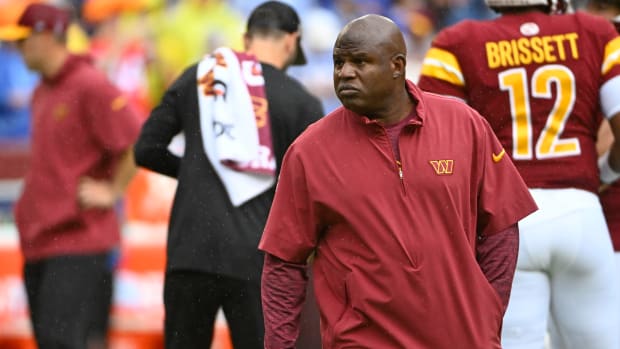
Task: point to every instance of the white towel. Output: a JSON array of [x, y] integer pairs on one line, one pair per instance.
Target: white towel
[[235, 125]]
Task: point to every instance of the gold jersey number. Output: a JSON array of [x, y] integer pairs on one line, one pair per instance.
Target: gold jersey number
[[549, 143]]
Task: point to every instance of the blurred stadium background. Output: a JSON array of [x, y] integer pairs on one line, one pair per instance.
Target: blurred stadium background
[[143, 45]]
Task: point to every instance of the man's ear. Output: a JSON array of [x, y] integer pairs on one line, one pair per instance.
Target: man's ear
[[398, 65]]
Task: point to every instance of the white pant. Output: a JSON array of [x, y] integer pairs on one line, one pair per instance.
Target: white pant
[[566, 276]]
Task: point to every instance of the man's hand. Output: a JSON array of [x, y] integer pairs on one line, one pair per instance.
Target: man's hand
[[94, 193]]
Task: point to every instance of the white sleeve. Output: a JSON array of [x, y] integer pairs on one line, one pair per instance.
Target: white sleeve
[[610, 97]]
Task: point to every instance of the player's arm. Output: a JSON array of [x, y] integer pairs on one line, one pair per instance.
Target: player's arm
[[95, 193], [283, 292], [604, 138], [609, 98], [611, 137], [497, 256], [114, 127], [609, 161], [151, 149], [124, 173]]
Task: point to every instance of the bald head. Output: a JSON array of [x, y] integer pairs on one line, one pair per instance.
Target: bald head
[[369, 68], [373, 31]]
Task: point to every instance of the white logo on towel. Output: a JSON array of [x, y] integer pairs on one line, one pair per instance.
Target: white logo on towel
[[252, 73]]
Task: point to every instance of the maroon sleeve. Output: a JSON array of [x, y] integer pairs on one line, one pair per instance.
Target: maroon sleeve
[[503, 197], [283, 291], [291, 232], [112, 121], [497, 257]]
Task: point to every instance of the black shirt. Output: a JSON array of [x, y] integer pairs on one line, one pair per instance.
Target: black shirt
[[206, 232]]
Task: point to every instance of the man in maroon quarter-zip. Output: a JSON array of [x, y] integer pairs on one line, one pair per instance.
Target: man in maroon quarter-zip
[[407, 202]]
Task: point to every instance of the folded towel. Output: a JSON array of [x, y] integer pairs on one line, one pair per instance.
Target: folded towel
[[234, 121]]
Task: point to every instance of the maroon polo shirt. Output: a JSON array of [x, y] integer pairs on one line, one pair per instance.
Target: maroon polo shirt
[[395, 263], [81, 125]]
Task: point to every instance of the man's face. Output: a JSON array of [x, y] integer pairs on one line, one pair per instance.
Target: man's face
[[362, 73], [30, 49]]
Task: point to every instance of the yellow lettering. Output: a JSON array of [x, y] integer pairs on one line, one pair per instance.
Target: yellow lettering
[[524, 49], [559, 39], [538, 55], [536, 49], [492, 54], [515, 51], [549, 56], [504, 53], [572, 39]]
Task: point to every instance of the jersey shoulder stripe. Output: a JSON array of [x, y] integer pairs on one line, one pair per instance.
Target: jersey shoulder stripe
[[612, 55], [442, 65]]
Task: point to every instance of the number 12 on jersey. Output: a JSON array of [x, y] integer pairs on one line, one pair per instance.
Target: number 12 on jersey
[[548, 144]]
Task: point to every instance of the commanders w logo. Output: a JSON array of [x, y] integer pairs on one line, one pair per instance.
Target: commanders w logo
[[442, 167]]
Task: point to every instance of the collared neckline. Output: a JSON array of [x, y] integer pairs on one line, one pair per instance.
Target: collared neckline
[[418, 108]]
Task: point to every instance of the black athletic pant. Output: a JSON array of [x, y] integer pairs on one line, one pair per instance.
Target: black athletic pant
[[69, 299], [192, 300]]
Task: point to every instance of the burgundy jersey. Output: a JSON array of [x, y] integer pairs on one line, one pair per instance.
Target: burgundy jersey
[[536, 78], [610, 198]]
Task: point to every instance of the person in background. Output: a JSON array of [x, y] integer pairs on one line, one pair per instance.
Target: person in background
[[409, 214], [609, 194], [81, 162], [525, 73], [243, 102]]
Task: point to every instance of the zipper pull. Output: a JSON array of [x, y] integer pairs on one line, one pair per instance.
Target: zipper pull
[[400, 175]]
